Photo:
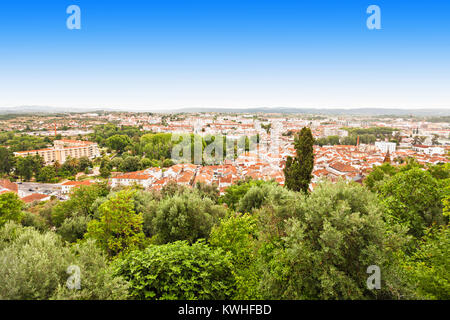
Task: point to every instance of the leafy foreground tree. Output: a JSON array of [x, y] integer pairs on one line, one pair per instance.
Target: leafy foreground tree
[[97, 280], [414, 198], [237, 236], [120, 228], [337, 233], [298, 170], [428, 268], [34, 267], [79, 204], [264, 194], [379, 175], [10, 207], [178, 271], [73, 228], [185, 216], [234, 193]]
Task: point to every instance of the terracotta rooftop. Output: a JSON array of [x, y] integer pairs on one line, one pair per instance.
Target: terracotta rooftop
[[77, 183], [5, 183], [134, 176], [34, 197], [342, 167]]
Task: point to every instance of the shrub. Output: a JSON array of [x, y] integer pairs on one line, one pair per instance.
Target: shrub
[[34, 267], [237, 236], [120, 227], [338, 232], [74, 228], [97, 280], [428, 267], [32, 264], [414, 197], [178, 271], [10, 207], [185, 217]]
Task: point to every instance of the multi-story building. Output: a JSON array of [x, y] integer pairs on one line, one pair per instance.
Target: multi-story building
[[62, 149], [384, 146]]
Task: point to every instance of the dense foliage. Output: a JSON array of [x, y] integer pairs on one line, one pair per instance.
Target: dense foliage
[[366, 135], [330, 240], [34, 266], [257, 241], [178, 270]]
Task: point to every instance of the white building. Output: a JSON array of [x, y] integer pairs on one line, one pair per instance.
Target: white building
[[145, 178], [67, 186], [428, 149], [131, 178], [384, 146]]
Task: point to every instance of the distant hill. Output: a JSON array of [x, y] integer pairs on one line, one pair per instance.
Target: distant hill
[[321, 111], [355, 111]]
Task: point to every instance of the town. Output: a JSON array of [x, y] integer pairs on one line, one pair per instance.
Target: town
[[345, 147]]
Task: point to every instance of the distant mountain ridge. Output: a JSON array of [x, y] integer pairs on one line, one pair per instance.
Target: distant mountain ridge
[[283, 110]]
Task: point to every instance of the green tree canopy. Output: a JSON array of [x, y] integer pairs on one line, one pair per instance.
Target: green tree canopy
[[414, 197], [10, 207], [79, 204], [119, 228], [7, 160], [237, 235], [185, 216], [118, 142], [178, 271], [235, 192], [337, 233], [34, 267], [428, 267]]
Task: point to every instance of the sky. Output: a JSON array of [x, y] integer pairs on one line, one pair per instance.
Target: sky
[[166, 54]]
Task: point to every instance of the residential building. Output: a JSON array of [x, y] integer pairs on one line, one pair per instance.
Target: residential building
[[62, 149]]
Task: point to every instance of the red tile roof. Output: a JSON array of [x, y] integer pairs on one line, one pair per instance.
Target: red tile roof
[[342, 167], [5, 183], [138, 175], [77, 183], [34, 197]]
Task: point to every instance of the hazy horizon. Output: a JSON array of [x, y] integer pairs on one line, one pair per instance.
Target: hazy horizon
[[288, 110]]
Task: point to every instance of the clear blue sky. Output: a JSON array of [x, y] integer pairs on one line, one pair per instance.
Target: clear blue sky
[[225, 53]]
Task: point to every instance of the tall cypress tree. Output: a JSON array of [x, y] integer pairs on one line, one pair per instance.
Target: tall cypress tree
[[298, 170]]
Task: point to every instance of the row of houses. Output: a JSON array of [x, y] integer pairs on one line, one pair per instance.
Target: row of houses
[[29, 197]]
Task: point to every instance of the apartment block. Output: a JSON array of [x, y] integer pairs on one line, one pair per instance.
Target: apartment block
[[62, 149]]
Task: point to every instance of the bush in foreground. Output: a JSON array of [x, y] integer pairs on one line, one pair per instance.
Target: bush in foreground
[[178, 271]]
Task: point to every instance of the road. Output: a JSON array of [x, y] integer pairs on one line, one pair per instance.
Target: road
[[36, 187]]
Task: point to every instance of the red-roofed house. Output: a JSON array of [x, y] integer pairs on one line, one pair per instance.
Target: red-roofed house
[[8, 186], [127, 179], [36, 197], [69, 185], [341, 169]]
